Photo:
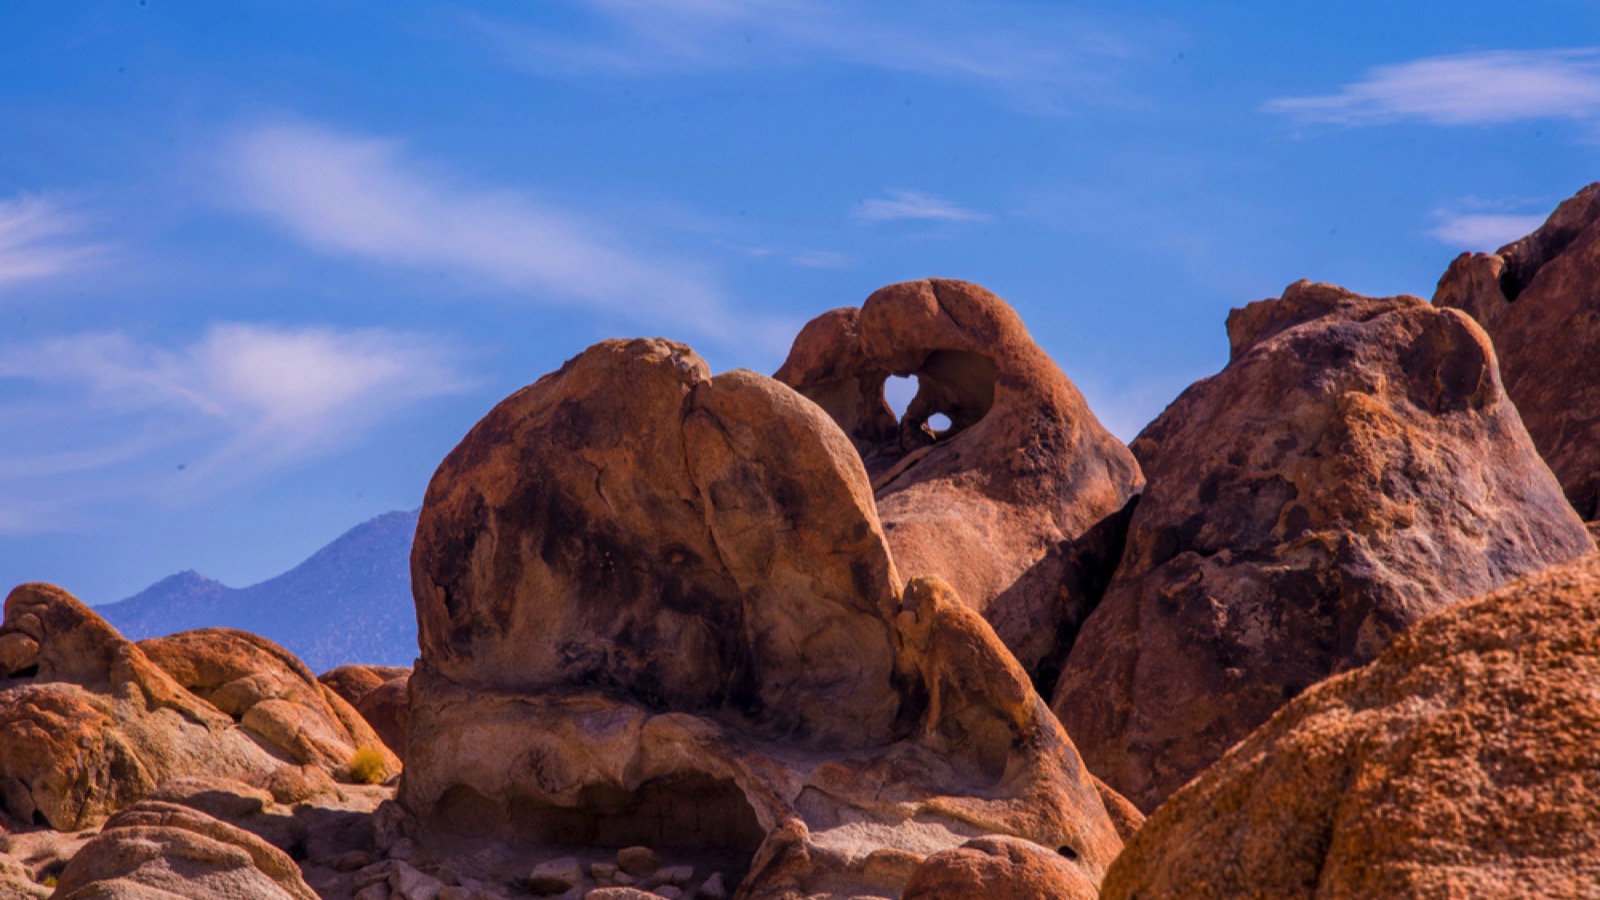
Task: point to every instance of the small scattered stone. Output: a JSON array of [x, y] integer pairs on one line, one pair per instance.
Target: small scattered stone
[[670, 892], [602, 871], [713, 888], [355, 859], [620, 893], [410, 884], [374, 874], [404, 848], [638, 861], [677, 876], [378, 891], [557, 876]]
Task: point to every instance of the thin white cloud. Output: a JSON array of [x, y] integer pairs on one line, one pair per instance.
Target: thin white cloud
[[1482, 231], [363, 198], [901, 205], [1464, 89], [1040, 54], [241, 400], [39, 238]]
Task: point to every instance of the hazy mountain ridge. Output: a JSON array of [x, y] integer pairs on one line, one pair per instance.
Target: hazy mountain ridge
[[348, 602]]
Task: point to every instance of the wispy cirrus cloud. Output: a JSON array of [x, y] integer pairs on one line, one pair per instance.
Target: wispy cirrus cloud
[[240, 400], [1041, 54], [39, 238], [1482, 231], [1480, 88], [366, 198], [901, 205]]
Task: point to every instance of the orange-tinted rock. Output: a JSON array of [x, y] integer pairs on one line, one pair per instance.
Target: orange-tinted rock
[[387, 708], [159, 850], [88, 723], [657, 608], [997, 867], [270, 693], [1355, 467], [1539, 299], [1464, 761], [1019, 502], [355, 681]]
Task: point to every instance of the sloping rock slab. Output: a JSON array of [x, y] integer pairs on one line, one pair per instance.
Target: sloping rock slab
[[1464, 761]]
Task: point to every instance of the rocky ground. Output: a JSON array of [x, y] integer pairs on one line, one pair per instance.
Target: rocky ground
[[1332, 621]]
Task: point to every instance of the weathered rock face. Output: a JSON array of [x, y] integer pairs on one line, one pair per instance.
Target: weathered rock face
[[1019, 502], [353, 682], [380, 694], [1539, 298], [161, 850], [270, 693], [16, 882], [997, 866], [1464, 761], [656, 607], [388, 710], [88, 723], [1354, 467]]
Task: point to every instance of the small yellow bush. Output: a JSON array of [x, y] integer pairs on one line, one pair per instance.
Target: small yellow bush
[[366, 766]]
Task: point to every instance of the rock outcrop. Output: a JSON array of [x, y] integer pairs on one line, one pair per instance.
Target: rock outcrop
[[997, 866], [1539, 299], [159, 850], [271, 694], [1356, 466], [656, 607], [1019, 501], [88, 723], [1464, 761]]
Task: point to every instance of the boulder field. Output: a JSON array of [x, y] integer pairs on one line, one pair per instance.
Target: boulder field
[[1331, 621]]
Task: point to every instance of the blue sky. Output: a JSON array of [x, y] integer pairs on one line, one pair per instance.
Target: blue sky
[[263, 263]]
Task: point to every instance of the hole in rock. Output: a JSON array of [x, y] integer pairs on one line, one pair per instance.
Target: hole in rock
[[898, 391], [25, 672], [939, 423], [1068, 852], [40, 820]]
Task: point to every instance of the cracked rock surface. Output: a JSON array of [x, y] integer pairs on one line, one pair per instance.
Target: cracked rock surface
[[1356, 466]]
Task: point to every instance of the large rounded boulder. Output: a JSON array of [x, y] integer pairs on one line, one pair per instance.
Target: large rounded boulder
[[1464, 761], [1539, 299], [1356, 466], [656, 607], [997, 478]]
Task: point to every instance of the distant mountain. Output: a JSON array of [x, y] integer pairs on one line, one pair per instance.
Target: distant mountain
[[350, 602]]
